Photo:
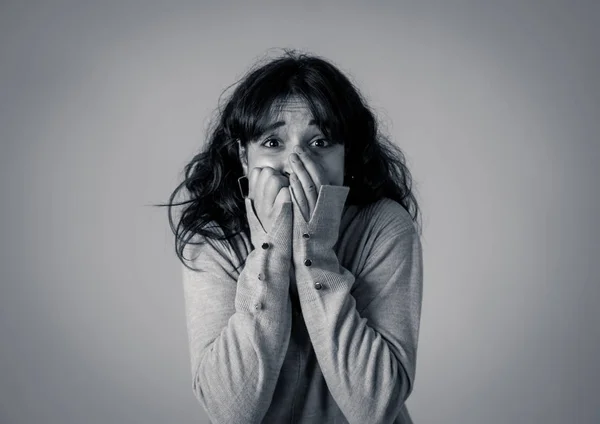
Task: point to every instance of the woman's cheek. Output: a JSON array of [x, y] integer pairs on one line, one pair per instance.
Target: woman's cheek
[[335, 171], [335, 174], [262, 160]]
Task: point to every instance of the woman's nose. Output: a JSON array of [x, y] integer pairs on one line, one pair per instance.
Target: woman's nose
[[282, 165], [286, 169]]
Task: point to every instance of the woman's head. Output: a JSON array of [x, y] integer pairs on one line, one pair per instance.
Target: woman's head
[[300, 81], [295, 99]]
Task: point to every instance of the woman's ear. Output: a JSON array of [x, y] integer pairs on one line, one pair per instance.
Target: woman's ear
[[243, 157]]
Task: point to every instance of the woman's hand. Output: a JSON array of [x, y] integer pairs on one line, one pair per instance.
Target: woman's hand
[[306, 181], [268, 190]]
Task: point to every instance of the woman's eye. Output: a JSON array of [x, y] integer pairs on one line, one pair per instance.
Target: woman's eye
[[321, 142], [271, 142]]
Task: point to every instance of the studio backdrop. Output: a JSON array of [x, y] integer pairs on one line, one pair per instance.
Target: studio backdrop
[[496, 105]]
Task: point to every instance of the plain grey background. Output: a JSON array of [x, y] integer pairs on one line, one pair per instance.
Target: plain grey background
[[495, 103]]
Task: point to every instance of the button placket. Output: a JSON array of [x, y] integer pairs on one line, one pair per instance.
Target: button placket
[[258, 305], [308, 262]]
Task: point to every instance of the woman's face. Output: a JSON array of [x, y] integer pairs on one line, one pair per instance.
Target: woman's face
[[294, 126]]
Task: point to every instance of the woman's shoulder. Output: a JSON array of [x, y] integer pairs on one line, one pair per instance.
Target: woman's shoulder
[[368, 229], [229, 250], [384, 216]]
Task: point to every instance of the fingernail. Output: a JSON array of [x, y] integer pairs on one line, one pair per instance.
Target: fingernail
[[298, 150]]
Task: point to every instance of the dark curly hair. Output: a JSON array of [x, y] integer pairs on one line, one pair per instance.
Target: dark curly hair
[[214, 207]]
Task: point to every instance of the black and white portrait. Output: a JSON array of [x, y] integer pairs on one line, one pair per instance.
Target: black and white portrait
[[299, 212]]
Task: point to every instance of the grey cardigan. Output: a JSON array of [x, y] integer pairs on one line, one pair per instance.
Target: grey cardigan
[[319, 325]]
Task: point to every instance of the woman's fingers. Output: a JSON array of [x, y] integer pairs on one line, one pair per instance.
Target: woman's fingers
[[308, 186], [313, 168], [282, 197], [268, 183], [267, 186], [297, 192], [273, 187], [252, 181], [268, 189]]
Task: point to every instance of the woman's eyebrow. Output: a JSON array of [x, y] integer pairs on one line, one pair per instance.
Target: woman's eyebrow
[[278, 124], [269, 129]]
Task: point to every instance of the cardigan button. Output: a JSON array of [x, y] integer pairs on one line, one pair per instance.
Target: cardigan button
[[261, 276], [257, 306], [306, 235], [318, 286], [265, 246], [307, 262]]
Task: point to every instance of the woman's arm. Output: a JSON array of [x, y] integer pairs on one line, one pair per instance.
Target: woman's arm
[[239, 325], [368, 358]]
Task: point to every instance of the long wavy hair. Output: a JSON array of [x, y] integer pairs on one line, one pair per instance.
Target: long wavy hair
[[375, 168]]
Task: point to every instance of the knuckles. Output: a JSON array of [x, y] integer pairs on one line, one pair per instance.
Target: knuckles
[[268, 170]]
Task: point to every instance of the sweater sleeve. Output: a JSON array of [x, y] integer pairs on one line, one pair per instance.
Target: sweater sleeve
[[368, 359], [239, 324]]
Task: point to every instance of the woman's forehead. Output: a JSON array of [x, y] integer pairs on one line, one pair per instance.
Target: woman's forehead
[[288, 111], [295, 105]]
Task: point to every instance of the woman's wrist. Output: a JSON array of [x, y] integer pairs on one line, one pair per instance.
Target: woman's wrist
[[278, 241], [323, 228]]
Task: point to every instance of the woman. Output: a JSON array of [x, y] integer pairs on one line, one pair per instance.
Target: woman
[[303, 287]]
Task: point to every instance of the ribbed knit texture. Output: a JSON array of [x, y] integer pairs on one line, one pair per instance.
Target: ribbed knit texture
[[321, 323]]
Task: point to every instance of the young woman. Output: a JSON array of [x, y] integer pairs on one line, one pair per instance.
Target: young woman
[[302, 253]]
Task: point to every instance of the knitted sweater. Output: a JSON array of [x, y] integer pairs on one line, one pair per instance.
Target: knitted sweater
[[319, 325]]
